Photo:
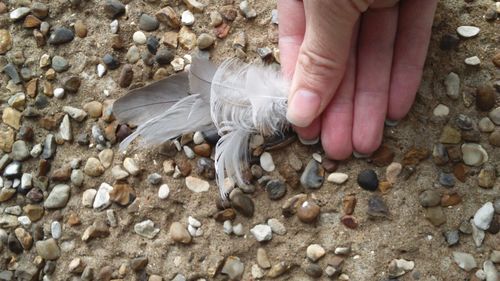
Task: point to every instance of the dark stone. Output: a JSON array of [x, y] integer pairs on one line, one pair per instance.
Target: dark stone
[[446, 179], [25, 133], [449, 42], [50, 267], [114, 8], [72, 84], [313, 270], [110, 61], [41, 101], [83, 139], [485, 98], [14, 244], [123, 132], [464, 122], [368, 180], [377, 207], [49, 147], [164, 56], [126, 76], [139, 263], [11, 71], [35, 195], [61, 35], [313, 175], [148, 23], [205, 167], [276, 189], [152, 44], [167, 148], [451, 237], [242, 203], [211, 136]]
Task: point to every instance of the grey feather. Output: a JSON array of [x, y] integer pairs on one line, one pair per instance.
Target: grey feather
[[143, 104], [201, 74]]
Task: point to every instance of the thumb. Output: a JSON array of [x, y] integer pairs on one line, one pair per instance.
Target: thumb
[[322, 56]]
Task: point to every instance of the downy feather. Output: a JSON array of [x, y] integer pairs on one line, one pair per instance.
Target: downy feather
[[245, 100]]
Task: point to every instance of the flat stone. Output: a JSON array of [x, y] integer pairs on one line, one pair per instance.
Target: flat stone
[[399, 267], [450, 135], [179, 233], [441, 110], [48, 249], [146, 229], [313, 175], [337, 178], [464, 260], [122, 193], [187, 38], [377, 207], [468, 31], [12, 118], [276, 226], [19, 13], [197, 185], [452, 237], [275, 189], [194, 5], [88, 197], [49, 147], [103, 199], [75, 113], [5, 41], [435, 215], [61, 35], [487, 176], [262, 232], [58, 197], [474, 154], [113, 8], [495, 116], [93, 167], [430, 198], [266, 162], [484, 216], [474, 61], [131, 167], [233, 268], [314, 252], [148, 23]]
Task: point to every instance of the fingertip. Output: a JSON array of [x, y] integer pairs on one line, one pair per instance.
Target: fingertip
[[309, 135]]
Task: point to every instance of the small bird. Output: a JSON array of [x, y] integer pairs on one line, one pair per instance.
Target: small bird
[[236, 98]]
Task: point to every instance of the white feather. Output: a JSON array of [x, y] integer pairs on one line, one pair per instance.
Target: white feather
[[244, 100]]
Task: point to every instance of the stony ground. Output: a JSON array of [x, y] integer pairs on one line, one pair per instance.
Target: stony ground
[[423, 207]]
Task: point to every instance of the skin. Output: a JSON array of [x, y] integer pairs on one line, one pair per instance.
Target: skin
[[353, 64]]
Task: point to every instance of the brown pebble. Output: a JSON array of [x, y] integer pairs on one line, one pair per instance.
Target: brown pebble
[[308, 211], [73, 219], [291, 205], [62, 174], [50, 74], [168, 16], [290, 175], [383, 156], [203, 149], [224, 215], [349, 221], [184, 167], [32, 87], [460, 172], [222, 31], [110, 132], [415, 155], [485, 98], [179, 233], [349, 203], [450, 199], [39, 38], [228, 12], [384, 186], [494, 138], [93, 108], [80, 29], [122, 132], [122, 194], [34, 212], [330, 165], [126, 76], [3, 8], [117, 42], [31, 22], [43, 167], [496, 59]]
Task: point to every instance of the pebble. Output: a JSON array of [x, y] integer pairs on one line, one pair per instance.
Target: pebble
[[227, 226], [368, 180], [485, 98], [58, 197], [187, 38], [233, 268], [179, 233], [308, 212], [168, 16], [276, 226], [266, 162], [114, 8], [399, 267], [114, 26], [26, 181], [238, 230], [197, 185], [154, 178], [247, 10], [262, 232], [377, 207], [490, 271], [93, 167], [495, 116], [19, 13], [468, 31], [5, 41], [474, 154], [275, 189], [165, 56], [118, 173], [20, 151], [257, 273], [139, 37], [187, 18], [13, 170], [452, 237], [452, 84], [106, 157], [102, 197], [314, 252], [430, 198], [61, 35], [337, 178], [451, 198], [88, 197], [313, 175], [12, 118], [484, 216], [435, 215], [75, 113], [205, 41], [48, 249], [477, 234], [441, 110], [464, 260], [494, 138], [188, 152], [278, 269], [472, 61], [163, 191], [11, 71], [446, 179], [450, 135], [487, 176], [131, 167], [146, 229], [242, 203], [148, 23], [56, 230], [485, 125]]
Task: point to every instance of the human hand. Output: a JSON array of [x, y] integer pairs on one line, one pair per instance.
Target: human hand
[[354, 63]]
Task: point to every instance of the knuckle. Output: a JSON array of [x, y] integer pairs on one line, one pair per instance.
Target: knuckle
[[319, 68]]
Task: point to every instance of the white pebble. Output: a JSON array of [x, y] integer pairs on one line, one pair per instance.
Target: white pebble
[[177, 145], [238, 230], [256, 141], [197, 185], [88, 197], [56, 230], [314, 252], [178, 64], [189, 152], [484, 216], [468, 31], [114, 26], [198, 138], [24, 221], [163, 191], [192, 230], [59, 93], [102, 197], [101, 70], [276, 226], [228, 227], [472, 61], [139, 37], [266, 162], [338, 178], [262, 232], [441, 110], [187, 18], [317, 157], [194, 222]]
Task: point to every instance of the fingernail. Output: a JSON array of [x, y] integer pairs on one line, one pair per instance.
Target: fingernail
[[391, 123], [303, 108], [309, 142], [358, 155]]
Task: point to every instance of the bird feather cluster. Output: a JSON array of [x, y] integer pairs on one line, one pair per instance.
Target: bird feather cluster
[[236, 98]]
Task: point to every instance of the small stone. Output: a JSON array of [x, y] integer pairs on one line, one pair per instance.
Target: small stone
[[275, 189], [450, 135], [56, 229], [233, 268], [337, 178], [314, 252], [122, 194], [12, 118], [187, 18], [451, 198], [266, 162], [118, 173], [451, 237], [146, 229], [130, 165], [377, 207], [308, 212], [24, 238], [48, 249], [93, 108], [110, 61], [474, 154], [485, 98], [80, 29], [168, 16], [494, 138], [93, 167], [487, 176], [429, 198], [126, 76], [148, 23], [242, 203], [368, 180], [19, 13], [205, 41], [197, 185], [247, 10], [484, 216], [187, 39], [88, 197], [179, 233], [103, 196], [435, 215], [441, 110], [75, 113], [452, 84], [262, 232], [139, 38], [399, 267], [495, 115], [446, 179], [276, 226], [313, 175], [20, 151], [113, 8], [58, 197], [194, 5], [60, 36], [5, 41], [468, 31], [383, 156], [278, 269], [464, 260], [472, 61], [164, 56]]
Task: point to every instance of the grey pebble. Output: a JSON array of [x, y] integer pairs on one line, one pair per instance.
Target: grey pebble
[[60, 36], [148, 23], [49, 147], [59, 64], [58, 197], [313, 175], [275, 189]]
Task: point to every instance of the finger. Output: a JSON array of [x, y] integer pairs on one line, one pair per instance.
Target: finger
[[375, 51], [309, 135], [292, 25], [413, 36], [336, 127], [322, 56]]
